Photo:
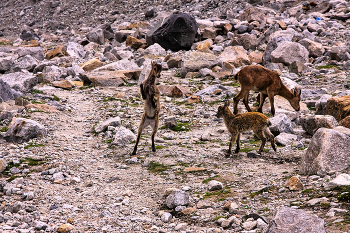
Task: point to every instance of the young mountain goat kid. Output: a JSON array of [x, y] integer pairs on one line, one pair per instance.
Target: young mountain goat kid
[[268, 83], [151, 95], [237, 124]]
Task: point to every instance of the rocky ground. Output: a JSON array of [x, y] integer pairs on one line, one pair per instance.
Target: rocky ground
[[66, 140]]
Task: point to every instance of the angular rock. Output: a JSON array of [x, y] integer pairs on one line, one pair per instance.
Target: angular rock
[[115, 121], [281, 124], [41, 107], [173, 91], [176, 32], [272, 45], [286, 139], [345, 122], [328, 151], [341, 180], [123, 136], [135, 43], [166, 217], [155, 50], [315, 49], [19, 81], [312, 123], [289, 220], [289, 52], [256, 56], [339, 107], [65, 228], [194, 61], [96, 36], [6, 63], [107, 78], [124, 64], [26, 62], [145, 71], [321, 104], [122, 35], [59, 51], [6, 92], [65, 84], [204, 204], [36, 52], [248, 41], [51, 73], [177, 198], [235, 55], [3, 165], [23, 130], [75, 50], [92, 64], [297, 67], [215, 185], [294, 184]]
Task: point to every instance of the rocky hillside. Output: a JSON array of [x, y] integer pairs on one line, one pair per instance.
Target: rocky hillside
[[70, 107]]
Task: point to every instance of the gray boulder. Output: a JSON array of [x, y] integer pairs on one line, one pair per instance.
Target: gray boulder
[[285, 139], [124, 64], [321, 104], [289, 52], [194, 61], [272, 45], [177, 198], [110, 122], [123, 136], [96, 36], [281, 124], [19, 81], [312, 123], [23, 130], [176, 32], [6, 92], [155, 50], [315, 49], [289, 220], [248, 41], [215, 185], [51, 73], [26, 62], [145, 71], [36, 52], [329, 151], [6, 63], [75, 50], [341, 180], [340, 52]]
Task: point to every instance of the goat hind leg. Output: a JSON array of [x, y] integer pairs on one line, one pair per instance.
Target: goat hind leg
[[245, 101], [236, 99], [237, 141], [154, 125], [141, 127], [261, 98], [262, 137], [268, 133]]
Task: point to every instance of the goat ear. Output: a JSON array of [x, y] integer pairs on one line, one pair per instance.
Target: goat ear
[[297, 91]]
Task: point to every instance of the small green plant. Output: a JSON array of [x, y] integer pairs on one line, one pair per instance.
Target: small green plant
[[109, 99], [326, 67], [31, 144], [36, 91], [218, 217], [37, 102], [155, 167], [56, 98], [325, 205], [177, 74], [206, 181], [307, 191], [108, 141], [261, 191], [200, 142], [85, 87], [181, 127], [161, 147], [4, 129]]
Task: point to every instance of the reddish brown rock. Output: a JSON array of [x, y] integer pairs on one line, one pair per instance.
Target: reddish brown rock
[[135, 43], [107, 78], [194, 169], [59, 51], [345, 122], [64, 84], [173, 91], [294, 184], [193, 99], [256, 56], [92, 64], [339, 107]]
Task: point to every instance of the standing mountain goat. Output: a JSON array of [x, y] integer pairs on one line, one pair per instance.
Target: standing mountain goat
[[150, 93], [268, 83], [237, 124]]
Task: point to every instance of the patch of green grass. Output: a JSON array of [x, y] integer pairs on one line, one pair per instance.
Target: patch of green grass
[[155, 167], [108, 140], [12, 178], [161, 147], [181, 127], [200, 142], [261, 191], [29, 161], [206, 181], [31, 144], [325, 205], [86, 87], [307, 191], [177, 74], [4, 129], [218, 217], [311, 108], [246, 150], [32, 162], [109, 99], [266, 209], [36, 91], [326, 67], [183, 164], [256, 104], [56, 98], [217, 193], [37, 102]]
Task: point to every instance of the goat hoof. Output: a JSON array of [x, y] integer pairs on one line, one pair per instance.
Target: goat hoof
[[227, 155], [133, 153], [153, 149]]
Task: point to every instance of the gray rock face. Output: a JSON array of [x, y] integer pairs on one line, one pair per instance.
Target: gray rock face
[[321, 104], [51, 73], [272, 45], [124, 64], [289, 220], [22, 82], [312, 123], [286, 139], [6, 92], [26, 62], [123, 136], [110, 122], [96, 36], [23, 130], [194, 61], [215, 185], [75, 50], [176, 32], [329, 151], [281, 124], [177, 198], [145, 71], [36, 52], [315, 49], [340, 180], [287, 52], [156, 50], [6, 63], [248, 41]]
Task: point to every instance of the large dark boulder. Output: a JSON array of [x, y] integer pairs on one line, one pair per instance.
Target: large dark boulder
[[176, 32]]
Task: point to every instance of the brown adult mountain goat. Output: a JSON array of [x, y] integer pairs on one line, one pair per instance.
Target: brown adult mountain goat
[[151, 95], [237, 124], [268, 83]]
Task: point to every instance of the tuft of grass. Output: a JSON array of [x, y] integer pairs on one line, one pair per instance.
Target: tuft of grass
[[31, 144], [85, 87], [109, 99], [181, 127], [155, 167], [36, 91], [206, 181], [261, 191], [326, 67], [4, 129], [200, 142], [177, 74], [108, 140], [37, 102], [161, 147], [56, 98], [218, 217], [217, 193]]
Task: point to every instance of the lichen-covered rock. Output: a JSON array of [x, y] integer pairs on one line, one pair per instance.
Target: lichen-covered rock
[[6, 92], [20, 81], [289, 220], [123, 137], [115, 121], [177, 198], [215, 185], [312, 123], [329, 151], [339, 107], [288, 52], [24, 129]]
